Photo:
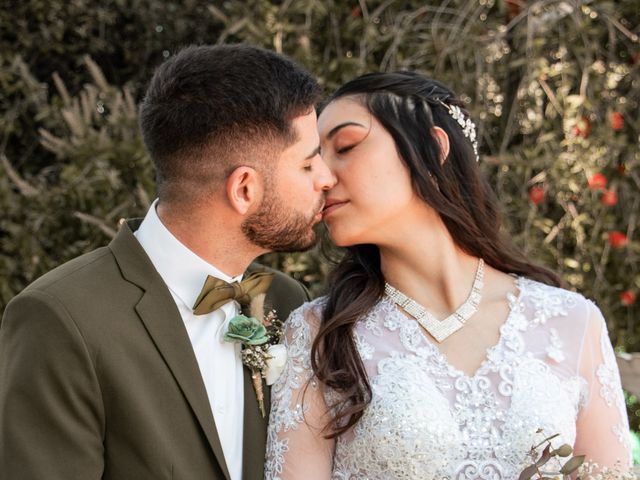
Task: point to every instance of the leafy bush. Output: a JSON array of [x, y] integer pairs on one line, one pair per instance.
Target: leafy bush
[[553, 85]]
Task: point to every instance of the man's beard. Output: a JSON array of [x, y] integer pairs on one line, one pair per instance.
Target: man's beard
[[279, 229]]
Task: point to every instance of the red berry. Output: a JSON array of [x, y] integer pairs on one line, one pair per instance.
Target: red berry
[[583, 127], [597, 181], [628, 297], [617, 121], [355, 13], [536, 195], [617, 239], [609, 198]]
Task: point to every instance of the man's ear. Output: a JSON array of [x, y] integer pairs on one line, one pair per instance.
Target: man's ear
[[443, 140], [244, 189]]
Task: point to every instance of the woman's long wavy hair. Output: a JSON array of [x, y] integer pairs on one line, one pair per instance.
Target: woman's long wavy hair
[[408, 106]]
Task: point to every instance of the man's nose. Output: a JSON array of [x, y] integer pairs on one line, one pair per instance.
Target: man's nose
[[325, 179]]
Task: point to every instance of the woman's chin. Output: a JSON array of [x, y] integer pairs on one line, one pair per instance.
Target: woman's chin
[[341, 240], [342, 244]]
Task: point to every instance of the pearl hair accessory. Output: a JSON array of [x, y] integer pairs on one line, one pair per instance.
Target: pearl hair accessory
[[467, 125]]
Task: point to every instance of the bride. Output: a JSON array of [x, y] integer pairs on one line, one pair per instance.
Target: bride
[[439, 351]]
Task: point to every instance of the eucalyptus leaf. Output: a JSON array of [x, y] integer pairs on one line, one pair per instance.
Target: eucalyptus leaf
[[572, 465], [528, 472]]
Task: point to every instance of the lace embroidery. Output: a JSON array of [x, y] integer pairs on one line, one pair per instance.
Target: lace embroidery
[[288, 412], [606, 376], [371, 324], [425, 432], [391, 323], [554, 350], [546, 305], [364, 348], [429, 420], [610, 386]]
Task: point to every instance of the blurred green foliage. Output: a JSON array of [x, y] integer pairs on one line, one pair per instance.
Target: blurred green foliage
[[554, 86]]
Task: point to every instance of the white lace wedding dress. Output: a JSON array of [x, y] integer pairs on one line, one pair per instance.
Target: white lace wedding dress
[[553, 369]]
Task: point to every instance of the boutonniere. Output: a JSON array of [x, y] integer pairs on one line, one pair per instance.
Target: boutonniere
[[262, 353]]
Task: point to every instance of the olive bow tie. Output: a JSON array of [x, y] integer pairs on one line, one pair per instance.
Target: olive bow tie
[[217, 292]]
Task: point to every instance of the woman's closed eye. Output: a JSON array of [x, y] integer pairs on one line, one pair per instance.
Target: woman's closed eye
[[345, 149], [348, 139]]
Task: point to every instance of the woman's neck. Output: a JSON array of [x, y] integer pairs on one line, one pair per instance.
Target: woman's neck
[[423, 262]]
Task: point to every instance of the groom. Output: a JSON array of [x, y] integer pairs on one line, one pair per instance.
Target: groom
[[105, 369]]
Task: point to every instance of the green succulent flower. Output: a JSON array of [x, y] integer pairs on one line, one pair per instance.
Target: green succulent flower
[[247, 330]]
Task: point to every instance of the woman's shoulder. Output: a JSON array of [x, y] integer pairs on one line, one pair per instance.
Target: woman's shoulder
[[301, 328], [313, 307], [544, 303], [309, 314], [540, 289]]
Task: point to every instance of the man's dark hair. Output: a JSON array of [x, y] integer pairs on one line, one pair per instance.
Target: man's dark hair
[[208, 108]]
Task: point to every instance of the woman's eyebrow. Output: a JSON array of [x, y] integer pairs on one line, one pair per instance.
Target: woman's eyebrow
[[335, 129]]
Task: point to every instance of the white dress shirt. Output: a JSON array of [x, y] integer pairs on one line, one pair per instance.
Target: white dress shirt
[[219, 361]]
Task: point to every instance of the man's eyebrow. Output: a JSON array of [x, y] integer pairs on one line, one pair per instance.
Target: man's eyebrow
[[335, 129], [315, 152]]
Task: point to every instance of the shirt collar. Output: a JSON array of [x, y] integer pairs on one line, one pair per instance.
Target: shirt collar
[[182, 270]]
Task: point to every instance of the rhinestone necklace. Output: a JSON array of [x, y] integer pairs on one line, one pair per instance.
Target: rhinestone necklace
[[441, 329]]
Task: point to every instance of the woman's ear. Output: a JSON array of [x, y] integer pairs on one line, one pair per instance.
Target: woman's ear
[[244, 189], [443, 140]]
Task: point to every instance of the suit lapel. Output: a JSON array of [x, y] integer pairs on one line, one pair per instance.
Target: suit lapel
[[162, 320], [254, 430]]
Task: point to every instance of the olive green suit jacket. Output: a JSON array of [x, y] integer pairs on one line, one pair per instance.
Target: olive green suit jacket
[[98, 378]]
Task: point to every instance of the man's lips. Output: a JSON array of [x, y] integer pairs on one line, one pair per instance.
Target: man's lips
[[332, 205]]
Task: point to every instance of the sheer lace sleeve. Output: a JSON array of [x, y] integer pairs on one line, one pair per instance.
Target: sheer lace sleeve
[[602, 426], [296, 447]]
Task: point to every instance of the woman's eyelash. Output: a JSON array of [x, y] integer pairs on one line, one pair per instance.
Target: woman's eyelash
[[345, 149]]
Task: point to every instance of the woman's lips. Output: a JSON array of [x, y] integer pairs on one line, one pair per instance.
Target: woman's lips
[[332, 206]]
